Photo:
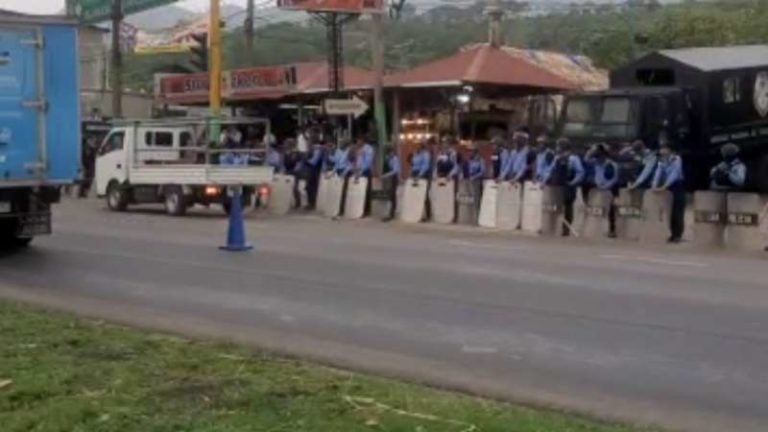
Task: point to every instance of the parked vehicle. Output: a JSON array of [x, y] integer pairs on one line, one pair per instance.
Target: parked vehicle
[[699, 98], [174, 162], [39, 121]]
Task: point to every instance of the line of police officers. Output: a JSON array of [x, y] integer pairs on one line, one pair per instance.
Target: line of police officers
[[550, 162]]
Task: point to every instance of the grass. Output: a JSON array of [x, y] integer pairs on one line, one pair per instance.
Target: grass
[[61, 373]]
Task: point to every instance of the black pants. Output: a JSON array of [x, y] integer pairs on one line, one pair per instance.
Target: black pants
[[368, 188], [428, 202], [343, 194], [569, 198], [612, 211], [391, 184], [677, 216], [313, 184], [296, 192]]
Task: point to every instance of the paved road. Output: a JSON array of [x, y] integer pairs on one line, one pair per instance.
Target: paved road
[[660, 336]]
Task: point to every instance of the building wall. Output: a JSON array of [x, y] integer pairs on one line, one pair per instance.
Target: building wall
[[94, 58], [135, 105]]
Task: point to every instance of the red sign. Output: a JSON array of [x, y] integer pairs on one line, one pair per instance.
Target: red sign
[[342, 6], [252, 83]]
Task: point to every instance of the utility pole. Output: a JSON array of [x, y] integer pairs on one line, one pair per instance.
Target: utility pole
[[117, 60], [377, 52], [214, 100], [249, 36]]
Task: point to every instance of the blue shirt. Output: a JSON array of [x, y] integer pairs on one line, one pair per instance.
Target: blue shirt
[[476, 168], [520, 164], [736, 171], [499, 159], [393, 167], [233, 159], [364, 160], [650, 160], [341, 163], [422, 162], [543, 167], [668, 173], [606, 174], [507, 164], [576, 169], [275, 160], [316, 157]]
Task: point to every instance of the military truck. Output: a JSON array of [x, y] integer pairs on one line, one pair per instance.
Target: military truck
[[696, 98]]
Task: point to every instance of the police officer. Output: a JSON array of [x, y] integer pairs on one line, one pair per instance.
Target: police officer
[[606, 178], [421, 168], [476, 173], [508, 163], [342, 160], [364, 156], [731, 173], [293, 165], [275, 158], [446, 163], [521, 165], [391, 179], [669, 177], [545, 158], [645, 160], [499, 156], [568, 172], [314, 167]]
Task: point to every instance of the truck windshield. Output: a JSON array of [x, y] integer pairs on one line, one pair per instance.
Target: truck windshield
[[600, 117]]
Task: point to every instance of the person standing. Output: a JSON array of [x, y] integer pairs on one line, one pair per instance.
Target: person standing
[[731, 173], [646, 160], [606, 178], [314, 169], [669, 177], [545, 158], [476, 174], [343, 168], [391, 179], [364, 157], [499, 156], [521, 165], [275, 158], [293, 166], [568, 172], [421, 168]]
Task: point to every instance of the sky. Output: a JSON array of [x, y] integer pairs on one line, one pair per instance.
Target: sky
[[53, 6]]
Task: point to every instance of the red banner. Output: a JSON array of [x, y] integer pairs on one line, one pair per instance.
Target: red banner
[[343, 6], [239, 84]]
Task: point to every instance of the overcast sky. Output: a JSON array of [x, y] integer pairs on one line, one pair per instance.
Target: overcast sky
[[53, 6]]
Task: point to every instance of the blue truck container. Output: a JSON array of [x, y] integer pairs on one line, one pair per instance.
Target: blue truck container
[[39, 121]]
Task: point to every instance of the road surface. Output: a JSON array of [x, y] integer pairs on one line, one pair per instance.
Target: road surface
[[662, 336]]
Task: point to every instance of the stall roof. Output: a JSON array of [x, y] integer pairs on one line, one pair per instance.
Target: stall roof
[[481, 64], [709, 59]]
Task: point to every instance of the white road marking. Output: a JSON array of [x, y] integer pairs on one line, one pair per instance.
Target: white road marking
[[653, 260], [478, 350]]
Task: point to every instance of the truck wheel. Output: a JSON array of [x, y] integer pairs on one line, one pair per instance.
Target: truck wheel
[[175, 203], [761, 175], [117, 200]]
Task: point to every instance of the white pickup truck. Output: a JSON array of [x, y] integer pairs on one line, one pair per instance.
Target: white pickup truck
[[173, 162]]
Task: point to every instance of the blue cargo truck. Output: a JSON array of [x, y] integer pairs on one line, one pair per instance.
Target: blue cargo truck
[[39, 121]]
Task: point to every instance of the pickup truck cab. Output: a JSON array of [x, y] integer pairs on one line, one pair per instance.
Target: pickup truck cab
[[174, 163]]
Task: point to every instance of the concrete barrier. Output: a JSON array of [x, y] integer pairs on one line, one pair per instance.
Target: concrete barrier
[[596, 215], [542, 209], [467, 202], [414, 200], [656, 210], [531, 214], [509, 206], [357, 191], [443, 196], [487, 216], [629, 214], [709, 209], [746, 221], [333, 195], [281, 195]]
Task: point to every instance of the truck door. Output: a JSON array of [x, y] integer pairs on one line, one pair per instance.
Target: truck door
[[22, 105], [111, 161]]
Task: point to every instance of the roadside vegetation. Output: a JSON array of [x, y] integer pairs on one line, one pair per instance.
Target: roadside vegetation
[[61, 373]]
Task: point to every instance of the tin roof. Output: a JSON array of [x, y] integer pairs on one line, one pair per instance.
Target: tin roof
[[709, 59], [481, 64]]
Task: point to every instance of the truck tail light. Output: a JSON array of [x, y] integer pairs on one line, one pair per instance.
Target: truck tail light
[[212, 191], [264, 191]]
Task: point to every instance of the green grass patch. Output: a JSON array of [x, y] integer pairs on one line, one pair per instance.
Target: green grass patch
[[61, 373]]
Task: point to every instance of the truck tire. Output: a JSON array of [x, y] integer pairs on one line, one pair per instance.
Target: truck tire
[[9, 238], [175, 202], [761, 174], [117, 200]]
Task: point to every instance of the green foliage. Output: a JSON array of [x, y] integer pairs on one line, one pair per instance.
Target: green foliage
[[609, 34]]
